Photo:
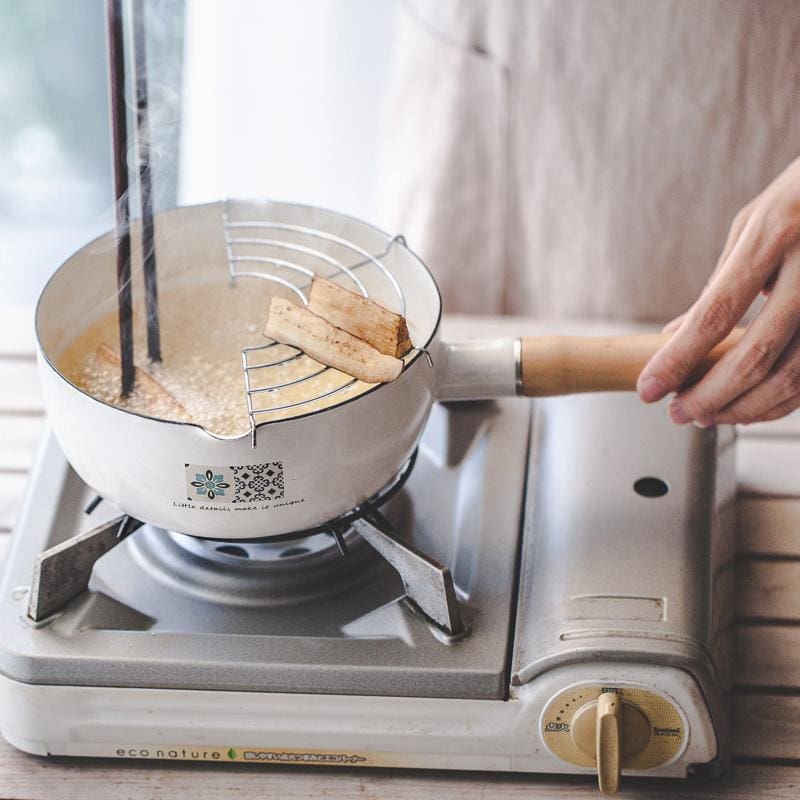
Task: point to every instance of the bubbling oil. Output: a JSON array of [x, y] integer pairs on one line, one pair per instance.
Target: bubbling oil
[[203, 330]]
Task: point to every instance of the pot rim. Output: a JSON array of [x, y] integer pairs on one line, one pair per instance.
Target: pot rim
[[419, 350]]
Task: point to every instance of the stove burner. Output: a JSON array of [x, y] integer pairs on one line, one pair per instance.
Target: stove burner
[[274, 551], [267, 575]]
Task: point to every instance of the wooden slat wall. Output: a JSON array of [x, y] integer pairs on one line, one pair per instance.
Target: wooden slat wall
[[767, 466], [767, 727], [769, 527], [20, 396], [768, 657], [768, 590], [767, 667], [767, 675], [18, 440], [21, 412], [21, 417]]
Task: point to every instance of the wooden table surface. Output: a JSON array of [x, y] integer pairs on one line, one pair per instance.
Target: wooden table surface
[[766, 697]]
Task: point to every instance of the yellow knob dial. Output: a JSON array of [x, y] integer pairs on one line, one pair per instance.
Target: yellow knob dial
[[651, 729], [611, 731]]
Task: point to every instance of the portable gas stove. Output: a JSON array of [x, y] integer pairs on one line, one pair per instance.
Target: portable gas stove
[[562, 605]]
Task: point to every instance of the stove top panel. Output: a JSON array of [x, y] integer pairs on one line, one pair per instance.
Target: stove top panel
[[169, 611]]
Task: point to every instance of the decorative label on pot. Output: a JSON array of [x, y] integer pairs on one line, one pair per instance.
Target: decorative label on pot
[[251, 483]]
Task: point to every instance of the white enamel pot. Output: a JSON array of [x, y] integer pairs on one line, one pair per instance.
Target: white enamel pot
[[314, 467]]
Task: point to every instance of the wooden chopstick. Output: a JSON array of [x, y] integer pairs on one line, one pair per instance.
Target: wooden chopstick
[[119, 138], [145, 181]]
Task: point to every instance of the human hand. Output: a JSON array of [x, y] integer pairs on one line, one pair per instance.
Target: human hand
[[759, 378]]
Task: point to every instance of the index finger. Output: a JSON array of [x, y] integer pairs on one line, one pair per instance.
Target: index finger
[[712, 317]]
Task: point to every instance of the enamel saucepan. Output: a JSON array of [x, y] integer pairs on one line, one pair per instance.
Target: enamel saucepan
[[317, 465]]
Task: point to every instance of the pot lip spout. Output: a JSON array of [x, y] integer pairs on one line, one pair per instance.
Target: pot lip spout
[[44, 361]]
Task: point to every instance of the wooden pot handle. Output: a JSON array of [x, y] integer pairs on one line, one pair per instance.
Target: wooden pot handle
[[555, 365]]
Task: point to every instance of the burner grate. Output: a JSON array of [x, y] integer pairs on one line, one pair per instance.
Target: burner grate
[[428, 584]]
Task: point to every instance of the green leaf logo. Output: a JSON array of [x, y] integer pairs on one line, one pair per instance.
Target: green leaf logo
[[232, 754]]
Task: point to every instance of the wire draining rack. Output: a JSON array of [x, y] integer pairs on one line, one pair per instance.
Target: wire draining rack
[[290, 256]]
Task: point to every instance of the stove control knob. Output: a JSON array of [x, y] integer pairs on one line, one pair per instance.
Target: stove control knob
[[610, 730]]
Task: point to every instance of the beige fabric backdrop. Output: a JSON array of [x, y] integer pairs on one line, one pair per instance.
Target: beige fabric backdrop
[[584, 157]]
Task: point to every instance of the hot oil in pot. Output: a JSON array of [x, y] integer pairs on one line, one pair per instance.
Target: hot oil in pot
[[203, 331]]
